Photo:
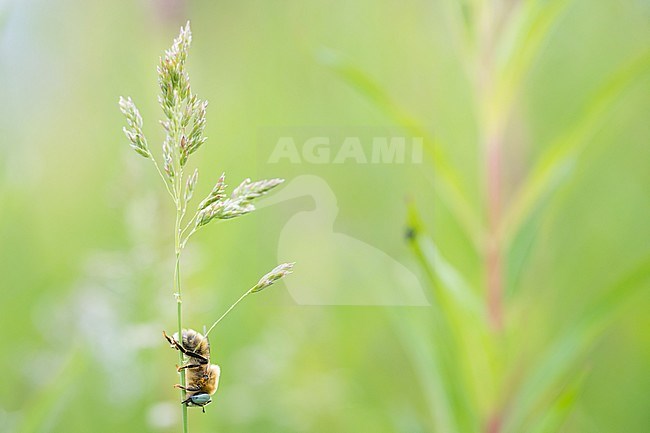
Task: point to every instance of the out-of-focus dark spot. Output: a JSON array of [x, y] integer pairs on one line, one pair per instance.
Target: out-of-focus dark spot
[[409, 233]]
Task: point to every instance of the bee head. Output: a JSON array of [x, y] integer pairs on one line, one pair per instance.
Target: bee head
[[200, 400]]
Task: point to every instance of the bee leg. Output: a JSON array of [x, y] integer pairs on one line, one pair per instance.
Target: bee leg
[[187, 388], [175, 344], [200, 358], [172, 341], [183, 367]]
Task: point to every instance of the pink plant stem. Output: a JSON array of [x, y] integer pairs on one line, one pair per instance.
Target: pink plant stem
[[494, 424], [493, 257], [492, 147]]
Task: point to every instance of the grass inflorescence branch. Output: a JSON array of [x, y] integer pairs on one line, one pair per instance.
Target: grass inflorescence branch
[[184, 125]]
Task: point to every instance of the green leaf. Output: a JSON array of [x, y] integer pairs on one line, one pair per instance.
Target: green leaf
[[441, 273], [557, 161], [449, 183], [456, 315], [520, 46], [427, 365], [562, 407], [561, 357]]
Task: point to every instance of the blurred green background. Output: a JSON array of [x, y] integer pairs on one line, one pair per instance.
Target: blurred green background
[[528, 216]]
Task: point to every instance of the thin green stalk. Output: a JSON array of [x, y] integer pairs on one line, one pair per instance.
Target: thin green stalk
[[189, 224], [179, 303], [267, 280], [189, 235], [248, 292], [162, 176]]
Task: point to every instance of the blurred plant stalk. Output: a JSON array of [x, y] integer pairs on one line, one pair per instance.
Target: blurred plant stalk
[[491, 120]]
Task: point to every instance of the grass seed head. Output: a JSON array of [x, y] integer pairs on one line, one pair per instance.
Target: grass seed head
[[133, 130], [277, 273]]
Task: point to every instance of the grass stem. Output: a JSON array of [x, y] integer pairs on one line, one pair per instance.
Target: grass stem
[[162, 176], [179, 304], [248, 292]]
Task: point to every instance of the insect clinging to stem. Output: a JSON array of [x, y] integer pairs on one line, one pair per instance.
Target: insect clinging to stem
[[202, 377]]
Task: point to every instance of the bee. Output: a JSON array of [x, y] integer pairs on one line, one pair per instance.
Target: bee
[[202, 378]]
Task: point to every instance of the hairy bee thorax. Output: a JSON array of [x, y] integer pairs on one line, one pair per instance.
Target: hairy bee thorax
[[195, 342]]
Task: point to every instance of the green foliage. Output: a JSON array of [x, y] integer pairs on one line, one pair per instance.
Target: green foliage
[[545, 397]]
